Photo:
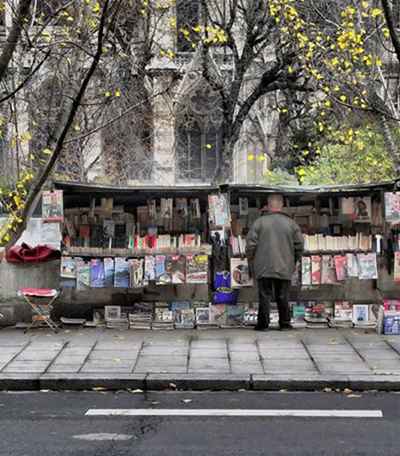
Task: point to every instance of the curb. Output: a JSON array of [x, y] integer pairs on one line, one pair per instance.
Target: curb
[[195, 382]]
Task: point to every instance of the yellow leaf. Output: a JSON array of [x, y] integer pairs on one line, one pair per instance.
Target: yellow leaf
[[117, 93], [250, 157], [107, 94], [47, 151], [343, 98]]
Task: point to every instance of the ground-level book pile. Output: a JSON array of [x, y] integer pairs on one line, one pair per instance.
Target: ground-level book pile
[[363, 316], [115, 319], [163, 319], [342, 316], [316, 314], [141, 316], [184, 315]]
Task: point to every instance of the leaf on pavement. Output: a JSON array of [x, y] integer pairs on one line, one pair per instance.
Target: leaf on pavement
[[187, 401], [99, 388], [347, 391], [354, 395]]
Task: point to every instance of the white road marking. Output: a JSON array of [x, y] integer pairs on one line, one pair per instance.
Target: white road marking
[[237, 412], [103, 436]]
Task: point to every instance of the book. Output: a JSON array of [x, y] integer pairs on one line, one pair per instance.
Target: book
[[306, 270], [166, 208], [149, 268], [340, 267], [367, 266], [178, 268], [195, 209], [360, 314], [315, 270], [391, 324], [196, 269], [298, 311], [52, 206], [68, 267], [315, 313], [97, 277], [392, 207], [108, 272], [121, 273], [240, 273], [181, 205], [243, 207], [250, 316], [112, 312]]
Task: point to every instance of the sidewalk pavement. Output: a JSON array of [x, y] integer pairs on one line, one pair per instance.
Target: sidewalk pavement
[[78, 359]]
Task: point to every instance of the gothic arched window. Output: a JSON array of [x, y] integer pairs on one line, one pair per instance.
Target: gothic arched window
[[198, 134]]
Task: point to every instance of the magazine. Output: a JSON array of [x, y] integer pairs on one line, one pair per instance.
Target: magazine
[[217, 314], [328, 270], [343, 311], [196, 269], [306, 271], [396, 272], [341, 267], [218, 210], [362, 209], [160, 271], [166, 209], [82, 274], [202, 315], [52, 206], [315, 270], [108, 272], [367, 265], [112, 312], [240, 274], [360, 314], [68, 268], [136, 273], [392, 207], [352, 265], [185, 318], [178, 268], [97, 277], [121, 273], [149, 268]]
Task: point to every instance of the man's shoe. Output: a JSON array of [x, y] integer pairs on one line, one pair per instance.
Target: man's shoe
[[286, 327], [259, 328]]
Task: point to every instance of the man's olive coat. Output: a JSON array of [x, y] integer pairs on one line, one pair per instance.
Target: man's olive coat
[[274, 244]]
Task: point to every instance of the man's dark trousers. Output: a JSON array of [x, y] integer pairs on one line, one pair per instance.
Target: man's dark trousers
[[267, 288]]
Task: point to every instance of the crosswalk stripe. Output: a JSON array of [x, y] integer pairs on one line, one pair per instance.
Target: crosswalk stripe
[[238, 412]]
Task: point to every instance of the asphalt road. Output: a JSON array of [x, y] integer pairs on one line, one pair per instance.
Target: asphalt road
[[50, 423]]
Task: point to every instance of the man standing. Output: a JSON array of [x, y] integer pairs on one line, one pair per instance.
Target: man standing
[[274, 245]]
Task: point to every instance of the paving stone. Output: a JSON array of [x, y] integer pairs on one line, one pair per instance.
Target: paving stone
[[249, 368], [70, 359], [165, 350], [64, 368], [38, 356], [10, 349], [234, 347], [208, 353], [208, 343], [109, 354], [26, 367], [142, 368], [282, 355], [203, 364], [244, 356], [288, 366]]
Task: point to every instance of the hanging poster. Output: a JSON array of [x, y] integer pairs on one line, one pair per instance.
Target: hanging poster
[[397, 266], [362, 209], [52, 206], [315, 270], [108, 272], [368, 266], [218, 210], [352, 265], [392, 207]]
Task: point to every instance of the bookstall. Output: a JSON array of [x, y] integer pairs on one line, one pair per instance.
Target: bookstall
[[349, 274], [165, 258]]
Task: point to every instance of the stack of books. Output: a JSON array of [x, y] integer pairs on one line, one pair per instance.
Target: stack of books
[[342, 316], [315, 315], [118, 323], [203, 320], [140, 320], [164, 319]]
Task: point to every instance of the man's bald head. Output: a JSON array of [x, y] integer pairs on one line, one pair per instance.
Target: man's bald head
[[275, 202]]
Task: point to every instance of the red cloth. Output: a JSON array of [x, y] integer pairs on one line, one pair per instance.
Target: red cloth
[[39, 292], [26, 254]]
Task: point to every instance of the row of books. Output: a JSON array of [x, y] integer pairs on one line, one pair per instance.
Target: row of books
[[164, 241], [179, 315], [331, 269], [320, 242], [334, 314], [134, 272], [189, 315]]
